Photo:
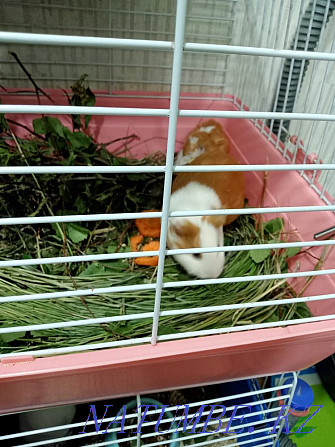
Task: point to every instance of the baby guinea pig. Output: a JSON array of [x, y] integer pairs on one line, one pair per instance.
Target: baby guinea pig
[[204, 190]]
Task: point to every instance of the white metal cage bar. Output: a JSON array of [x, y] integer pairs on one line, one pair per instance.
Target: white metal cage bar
[[43, 39], [173, 116], [168, 337], [128, 255], [91, 321], [74, 110]]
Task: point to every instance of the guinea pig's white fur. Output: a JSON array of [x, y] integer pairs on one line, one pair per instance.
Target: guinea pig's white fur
[[187, 232], [182, 159]]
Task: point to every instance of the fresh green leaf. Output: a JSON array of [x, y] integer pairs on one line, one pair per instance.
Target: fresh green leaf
[[93, 269], [80, 204], [90, 101], [272, 318], [259, 255], [122, 328], [76, 232], [50, 125], [36, 334], [7, 338], [40, 126], [303, 310], [78, 139], [274, 226], [116, 264], [292, 251], [165, 329], [55, 126]]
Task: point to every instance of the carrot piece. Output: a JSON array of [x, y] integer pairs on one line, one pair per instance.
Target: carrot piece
[[151, 246], [135, 242], [149, 227], [149, 260]]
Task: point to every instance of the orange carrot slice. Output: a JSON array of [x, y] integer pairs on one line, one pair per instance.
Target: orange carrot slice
[[149, 260], [135, 242], [149, 227]]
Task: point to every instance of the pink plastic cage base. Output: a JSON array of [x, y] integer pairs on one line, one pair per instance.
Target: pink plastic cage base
[[26, 382]]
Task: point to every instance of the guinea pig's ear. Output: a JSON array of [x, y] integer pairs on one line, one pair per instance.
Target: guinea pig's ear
[[176, 228], [217, 221]]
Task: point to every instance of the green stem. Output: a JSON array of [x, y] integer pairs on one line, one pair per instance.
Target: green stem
[[41, 192]]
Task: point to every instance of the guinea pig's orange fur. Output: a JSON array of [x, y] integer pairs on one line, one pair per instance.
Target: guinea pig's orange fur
[[229, 186], [188, 234], [213, 140]]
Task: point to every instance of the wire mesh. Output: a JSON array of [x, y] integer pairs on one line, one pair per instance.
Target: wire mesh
[[126, 69], [248, 415], [228, 42]]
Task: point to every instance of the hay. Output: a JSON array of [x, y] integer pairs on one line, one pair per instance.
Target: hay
[[51, 143], [19, 280]]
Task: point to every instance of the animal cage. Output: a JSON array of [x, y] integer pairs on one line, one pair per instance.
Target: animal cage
[[264, 70], [262, 423]]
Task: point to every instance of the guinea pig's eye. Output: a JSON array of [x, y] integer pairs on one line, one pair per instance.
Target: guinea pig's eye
[[197, 255]]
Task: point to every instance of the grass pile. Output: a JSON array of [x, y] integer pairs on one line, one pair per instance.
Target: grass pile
[[18, 280], [52, 143]]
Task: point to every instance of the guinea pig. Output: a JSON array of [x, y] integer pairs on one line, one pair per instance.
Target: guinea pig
[[204, 190], [207, 136]]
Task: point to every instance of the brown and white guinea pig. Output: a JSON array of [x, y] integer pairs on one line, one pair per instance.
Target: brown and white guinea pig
[[204, 190], [207, 136]]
